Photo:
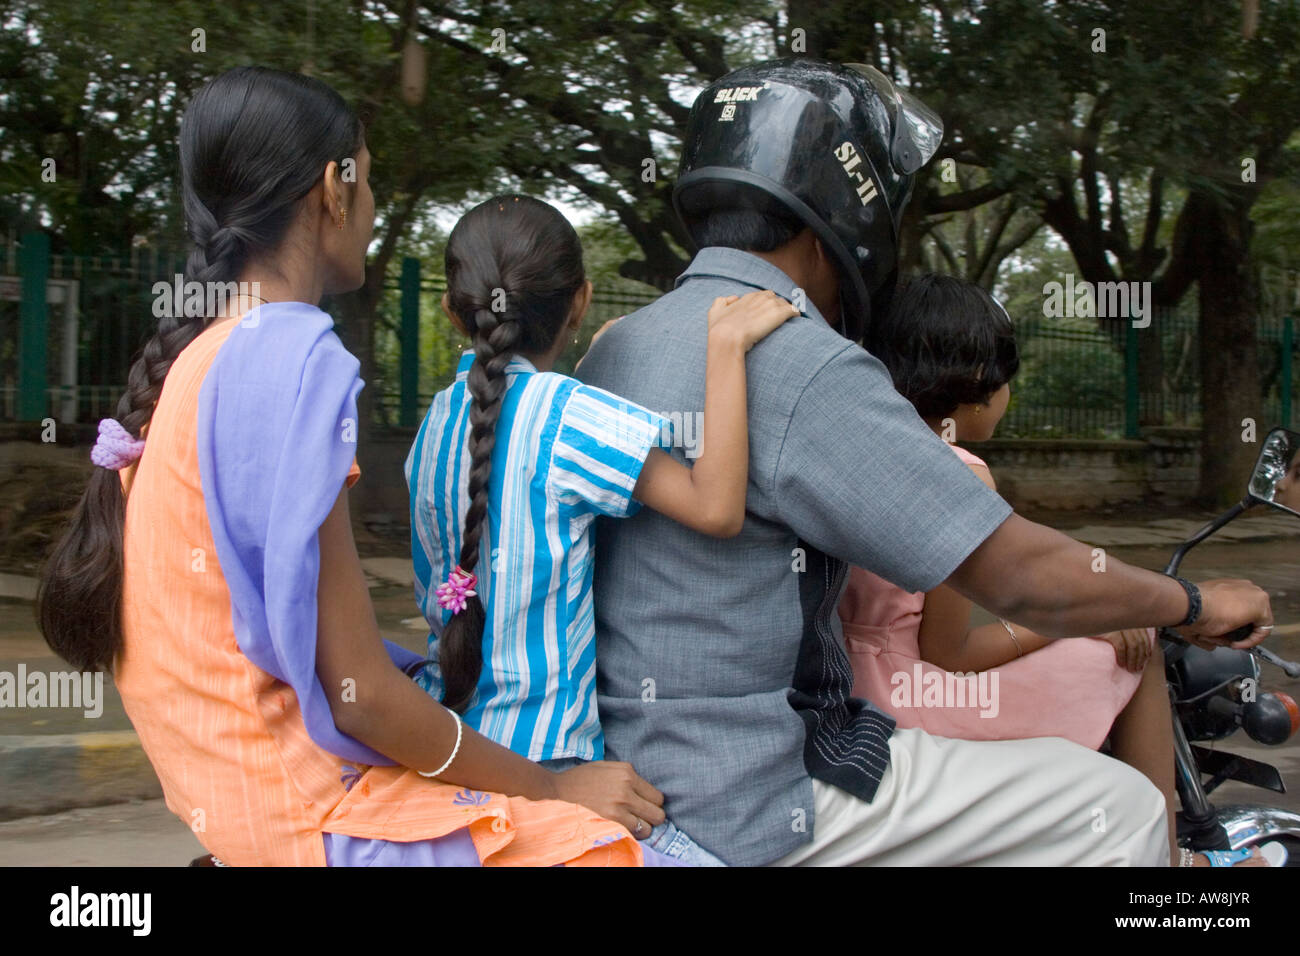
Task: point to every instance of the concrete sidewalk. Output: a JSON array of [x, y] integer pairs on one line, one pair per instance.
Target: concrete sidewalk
[[58, 759]]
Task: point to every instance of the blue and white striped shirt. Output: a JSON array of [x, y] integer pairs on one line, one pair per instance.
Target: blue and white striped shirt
[[565, 452]]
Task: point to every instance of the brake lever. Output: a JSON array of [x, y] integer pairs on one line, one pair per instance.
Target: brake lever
[[1264, 654], [1240, 634]]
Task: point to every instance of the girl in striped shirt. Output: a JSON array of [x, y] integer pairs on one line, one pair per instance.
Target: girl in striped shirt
[[514, 462]]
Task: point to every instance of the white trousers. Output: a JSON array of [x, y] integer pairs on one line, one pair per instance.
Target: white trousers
[[1039, 802]]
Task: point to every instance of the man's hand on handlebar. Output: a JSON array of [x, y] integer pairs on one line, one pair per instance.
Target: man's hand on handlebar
[[1228, 607]]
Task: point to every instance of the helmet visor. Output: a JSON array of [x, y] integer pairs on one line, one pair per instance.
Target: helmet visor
[[918, 130]]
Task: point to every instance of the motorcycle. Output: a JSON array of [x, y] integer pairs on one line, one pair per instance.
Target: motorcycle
[[1216, 692]]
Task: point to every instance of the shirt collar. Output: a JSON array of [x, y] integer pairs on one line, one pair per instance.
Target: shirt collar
[[517, 363], [722, 262]]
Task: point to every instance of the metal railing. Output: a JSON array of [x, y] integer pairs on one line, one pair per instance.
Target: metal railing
[[1077, 380]]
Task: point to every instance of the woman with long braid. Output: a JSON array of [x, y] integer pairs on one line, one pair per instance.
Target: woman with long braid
[[514, 462], [211, 567]]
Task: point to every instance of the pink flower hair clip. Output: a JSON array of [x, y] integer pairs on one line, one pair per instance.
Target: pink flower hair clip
[[454, 593]]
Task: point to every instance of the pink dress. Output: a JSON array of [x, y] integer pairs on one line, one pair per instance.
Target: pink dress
[[1073, 688]]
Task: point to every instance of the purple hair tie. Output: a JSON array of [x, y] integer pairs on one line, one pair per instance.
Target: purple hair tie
[[453, 592], [115, 447]]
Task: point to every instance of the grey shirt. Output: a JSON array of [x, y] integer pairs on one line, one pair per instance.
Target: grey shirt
[[721, 669]]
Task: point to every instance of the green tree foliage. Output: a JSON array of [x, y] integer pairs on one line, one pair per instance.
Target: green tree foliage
[[1121, 126]]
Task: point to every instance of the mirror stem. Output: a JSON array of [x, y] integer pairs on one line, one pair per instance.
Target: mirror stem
[[1234, 512]]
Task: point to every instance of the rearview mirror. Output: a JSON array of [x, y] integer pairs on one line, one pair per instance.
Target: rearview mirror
[[1276, 479]]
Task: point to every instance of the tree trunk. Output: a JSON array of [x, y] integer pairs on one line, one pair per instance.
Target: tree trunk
[[356, 327], [1230, 387], [1087, 244]]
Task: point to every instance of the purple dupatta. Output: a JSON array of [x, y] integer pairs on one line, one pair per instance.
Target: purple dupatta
[[277, 429]]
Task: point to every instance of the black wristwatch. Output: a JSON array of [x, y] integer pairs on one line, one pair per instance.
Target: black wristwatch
[[1193, 602]]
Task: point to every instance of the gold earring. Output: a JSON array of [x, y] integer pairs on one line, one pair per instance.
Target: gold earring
[[343, 217]]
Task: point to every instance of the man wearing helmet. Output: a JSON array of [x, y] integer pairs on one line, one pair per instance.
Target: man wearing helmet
[[721, 668]]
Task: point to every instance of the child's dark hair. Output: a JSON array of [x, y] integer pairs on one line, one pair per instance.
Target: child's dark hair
[[253, 142], [514, 265], [946, 342]]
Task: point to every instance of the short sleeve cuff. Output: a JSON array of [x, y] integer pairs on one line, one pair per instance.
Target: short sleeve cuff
[[977, 525], [658, 434], [601, 447]]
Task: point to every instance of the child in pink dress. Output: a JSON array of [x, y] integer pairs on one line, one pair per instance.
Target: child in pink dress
[[951, 350], [1067, 688]]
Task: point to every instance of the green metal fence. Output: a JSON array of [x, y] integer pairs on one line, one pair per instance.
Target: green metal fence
[[78, 322], [1084, 378], [417, 348], [70, 326], [1078, 379]]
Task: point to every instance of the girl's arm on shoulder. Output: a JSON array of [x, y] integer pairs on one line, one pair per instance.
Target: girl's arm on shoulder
[[710, 496], [946, 638]]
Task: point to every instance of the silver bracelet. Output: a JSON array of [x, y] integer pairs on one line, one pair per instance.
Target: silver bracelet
[[460, 728], [1186, 857], [1020, 651]]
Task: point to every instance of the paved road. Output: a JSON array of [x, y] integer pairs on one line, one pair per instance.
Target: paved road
[[140, 833], [144, 832]]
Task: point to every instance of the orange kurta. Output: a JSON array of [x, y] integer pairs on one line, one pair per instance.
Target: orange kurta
[[227, 739]]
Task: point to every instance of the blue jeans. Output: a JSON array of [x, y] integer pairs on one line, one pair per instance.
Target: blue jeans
[[665, 838], [672, 842]]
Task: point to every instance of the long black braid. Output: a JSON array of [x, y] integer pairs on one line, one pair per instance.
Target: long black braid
[[514, 265]]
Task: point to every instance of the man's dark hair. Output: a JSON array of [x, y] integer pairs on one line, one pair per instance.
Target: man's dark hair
[[747, 229], [946, 342]]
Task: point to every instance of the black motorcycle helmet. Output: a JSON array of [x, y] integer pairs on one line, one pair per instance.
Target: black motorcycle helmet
[[837, 146]]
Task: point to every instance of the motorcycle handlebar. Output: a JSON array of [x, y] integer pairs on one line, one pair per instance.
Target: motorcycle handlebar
[[1263, 653], [1240, 634]]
